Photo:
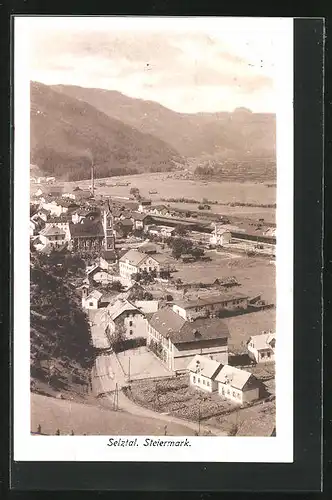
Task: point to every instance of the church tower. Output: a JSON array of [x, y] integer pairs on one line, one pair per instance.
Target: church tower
[[108, 225]]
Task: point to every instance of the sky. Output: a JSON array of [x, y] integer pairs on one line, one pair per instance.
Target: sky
[[187, 65]]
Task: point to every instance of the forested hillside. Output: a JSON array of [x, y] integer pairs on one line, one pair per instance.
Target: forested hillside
[[232, 134], [61, 353], [68, 134]]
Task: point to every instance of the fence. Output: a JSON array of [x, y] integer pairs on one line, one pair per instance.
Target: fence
[[39, 432]]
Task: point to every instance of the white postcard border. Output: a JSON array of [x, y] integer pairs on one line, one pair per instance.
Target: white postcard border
[[201, 449]]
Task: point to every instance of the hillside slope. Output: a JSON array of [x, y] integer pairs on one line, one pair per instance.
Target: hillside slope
[[66, 133], [231, 134], [60, 351]]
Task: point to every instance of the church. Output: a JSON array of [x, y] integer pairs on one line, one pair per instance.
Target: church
[[93, 235]]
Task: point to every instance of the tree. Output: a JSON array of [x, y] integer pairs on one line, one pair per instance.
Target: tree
[[197, 252], [181, 231], [134, 191]]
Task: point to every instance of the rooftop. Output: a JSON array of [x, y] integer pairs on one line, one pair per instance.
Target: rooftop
[[86, 229], [205, 366], [52, 231], [262, 341], [212, 299], [234, 377], [171, 325], [134, 257], [120, 306], [95, 295]]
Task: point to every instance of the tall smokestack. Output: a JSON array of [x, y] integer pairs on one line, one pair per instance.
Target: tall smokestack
[[92, 178]]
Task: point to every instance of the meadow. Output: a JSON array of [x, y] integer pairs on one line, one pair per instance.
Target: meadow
[[168, 186]]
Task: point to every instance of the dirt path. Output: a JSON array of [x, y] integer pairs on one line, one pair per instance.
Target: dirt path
[[129, 406]]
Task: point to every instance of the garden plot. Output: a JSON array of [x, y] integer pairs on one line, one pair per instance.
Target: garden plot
[[174, 396]]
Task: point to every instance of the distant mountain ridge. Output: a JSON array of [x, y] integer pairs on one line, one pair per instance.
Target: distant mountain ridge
[[66, 134], [230, 134]]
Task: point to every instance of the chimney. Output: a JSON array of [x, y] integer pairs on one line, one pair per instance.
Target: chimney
[[92, 179]]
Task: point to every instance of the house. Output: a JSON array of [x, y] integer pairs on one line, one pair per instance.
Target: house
[[261, 348], [124, 314], [147, 306], [210, 306], [144, 206], [166, 231], [43, 214], [133, 262], [159, 210], [107, 259], [90, 300], [123, 228], [79, 214], [148, 248], [154, 230], [203, 372], [99, 275], [62, 222], [220, 236], [177, 341], [53, 207], [53, 236], [237, 385], [139, 220]]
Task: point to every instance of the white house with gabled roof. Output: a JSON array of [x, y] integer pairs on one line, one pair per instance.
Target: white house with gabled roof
[[261, 348], [134, 262], [239, 386], [202, 373]]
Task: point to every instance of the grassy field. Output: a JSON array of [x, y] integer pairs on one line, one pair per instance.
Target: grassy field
[[268, 214], [53, 414], [167, 186]]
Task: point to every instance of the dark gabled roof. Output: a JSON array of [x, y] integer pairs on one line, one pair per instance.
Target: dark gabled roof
[[178, 330], [125, 222], [108, 255], [139, 216], [87, 229], [212, 299]]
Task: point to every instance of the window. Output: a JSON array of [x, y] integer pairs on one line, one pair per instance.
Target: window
[[194, 378], [130, 332], [208, 383], [228, 391], [130, 323], [263, 355], [199, 380], [268, 354], [234, 394], [203, 381], [90, 303]]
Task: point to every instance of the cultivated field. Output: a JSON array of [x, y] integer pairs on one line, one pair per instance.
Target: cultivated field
[[167, 186]]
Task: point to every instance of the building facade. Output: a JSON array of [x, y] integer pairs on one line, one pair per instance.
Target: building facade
[[176, 341], [261, 348], [134, 262], [237, 385], [210, 306]]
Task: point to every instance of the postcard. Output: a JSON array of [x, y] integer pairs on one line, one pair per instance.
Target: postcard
[[153, 237]]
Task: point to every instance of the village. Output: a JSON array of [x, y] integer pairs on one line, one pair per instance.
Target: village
[[180, 303]]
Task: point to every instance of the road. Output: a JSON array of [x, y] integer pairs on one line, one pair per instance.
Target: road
[[109, 373]]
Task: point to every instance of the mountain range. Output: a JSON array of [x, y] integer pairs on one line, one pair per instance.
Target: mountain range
[[70, 125]]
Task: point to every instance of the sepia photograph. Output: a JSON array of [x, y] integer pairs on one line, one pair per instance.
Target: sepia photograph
[[153, 173]]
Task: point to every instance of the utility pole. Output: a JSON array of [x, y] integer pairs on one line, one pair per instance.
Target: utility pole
[[129, 369], [199, 418]]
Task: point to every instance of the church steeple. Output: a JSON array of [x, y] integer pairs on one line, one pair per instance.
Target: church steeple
[[108, 225]]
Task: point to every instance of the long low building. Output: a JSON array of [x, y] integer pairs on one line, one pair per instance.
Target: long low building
[[176, 341]]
